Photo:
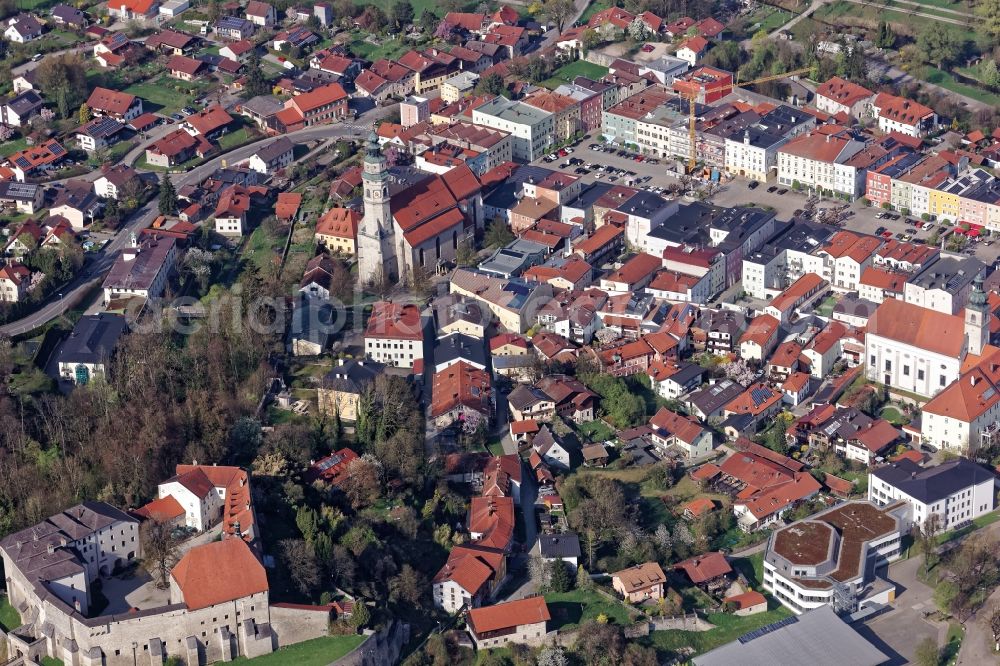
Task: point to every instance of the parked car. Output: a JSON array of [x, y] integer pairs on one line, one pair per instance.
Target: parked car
[[773, 188], [880, 231], [752, 184], [783, 191], [647, 48]]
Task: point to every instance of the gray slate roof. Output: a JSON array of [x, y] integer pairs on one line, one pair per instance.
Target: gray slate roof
[[93, 339], [932, 484]]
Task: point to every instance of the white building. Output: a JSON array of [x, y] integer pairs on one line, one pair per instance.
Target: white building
[[956, 491], [753, 153], [532, 130], [395, 334], [821, 160], [898, 114], [920, 350], [841, 96], [84, 543], [831, 557]]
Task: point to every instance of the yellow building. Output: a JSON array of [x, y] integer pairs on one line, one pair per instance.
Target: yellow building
[[943, 204], [337, 230]]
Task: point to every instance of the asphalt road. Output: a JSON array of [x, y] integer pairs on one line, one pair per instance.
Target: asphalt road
[[101, 262]]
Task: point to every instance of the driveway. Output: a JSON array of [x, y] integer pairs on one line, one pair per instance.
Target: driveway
[[899, 631]]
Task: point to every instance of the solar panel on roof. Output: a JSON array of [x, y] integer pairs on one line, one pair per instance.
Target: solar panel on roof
[[22, 162], [57, 149], [763, 631], [759, 395]]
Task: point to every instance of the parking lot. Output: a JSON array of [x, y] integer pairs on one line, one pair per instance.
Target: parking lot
[[659, 175]]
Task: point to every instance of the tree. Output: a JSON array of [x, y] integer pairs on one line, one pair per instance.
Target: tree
[[638, 30], [299, 559], [256, 82], [428, 20], [64, 80], [939, 45], [927, 653], [465, 255], [993, 622], [84, 114], [554, 655], [361, 614], [583, 580], [168, 197], [491, 84], [885, 38], [559, 11], [498, 234], [407, 586], [402, 14], [988, 12], [559, 578], [989, 74], [159, 550]]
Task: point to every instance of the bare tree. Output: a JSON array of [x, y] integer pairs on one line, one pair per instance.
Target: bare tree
[[159, 549], [994, 624]]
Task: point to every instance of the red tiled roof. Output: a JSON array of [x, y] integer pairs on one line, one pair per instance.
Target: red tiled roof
[[640, 577], [900, 109], [508, 615], [395, 320], [184, 65], [110, 101], [217, 572], [703, 568], [919, 327], [460, 384], [746, 600], [287, 205], [164, 509], [843, 92], [339, 222]]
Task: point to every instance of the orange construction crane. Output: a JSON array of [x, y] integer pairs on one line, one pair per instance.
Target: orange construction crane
[[692, 151]]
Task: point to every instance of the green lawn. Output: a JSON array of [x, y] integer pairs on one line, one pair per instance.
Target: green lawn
[[597, 431], [893, 416], [317, 652], [977, 523], [571, 70], [13, 146], [163, 96], [825, 309], [752, 567], [948, 82], [391, 48], [571, 609], [499, 653], [231, 140], [9, 617], [728, 628], [51, 661]]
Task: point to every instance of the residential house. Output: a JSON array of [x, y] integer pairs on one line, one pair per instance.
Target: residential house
[[99, 134], [142, 269], [14, 279], [116, 180], [759, 338], [22, 28], [121, 106], [898, 114], [521, 621], [839, 96], [77, 202], [185, 68], [260, 13], [342, 387], [127, 10], [670, 429], [640, 582], [395, 334], [272, 157], [18, 110], [337, 230], [87, 352]]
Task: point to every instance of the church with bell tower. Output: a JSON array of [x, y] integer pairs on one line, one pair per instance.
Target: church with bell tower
[[375, 247], [977, 318]]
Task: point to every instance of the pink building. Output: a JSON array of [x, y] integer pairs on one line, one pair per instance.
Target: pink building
[[413, 110]]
